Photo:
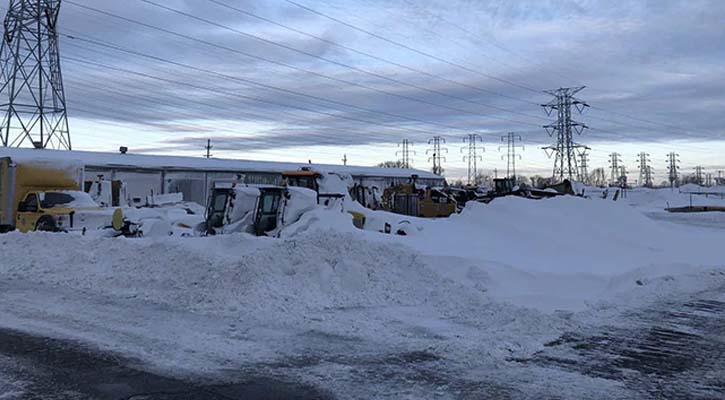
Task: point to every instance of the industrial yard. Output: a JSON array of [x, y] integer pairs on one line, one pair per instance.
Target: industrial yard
[[459, 308], [347, 199]]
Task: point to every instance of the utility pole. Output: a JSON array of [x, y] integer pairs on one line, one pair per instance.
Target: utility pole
[[208, 148], [436, 151], [708, 180], [699, 175], [472, 157], [32, 99], [584, 167], [645, 170], [617, 170], [405, 153], [565, 165], [673, 168], [344, 159], [511, 155]]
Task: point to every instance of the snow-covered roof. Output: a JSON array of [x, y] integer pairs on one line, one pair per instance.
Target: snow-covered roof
[[148, 161]]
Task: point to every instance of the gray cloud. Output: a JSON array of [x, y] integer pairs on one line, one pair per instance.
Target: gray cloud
[[659, 61]]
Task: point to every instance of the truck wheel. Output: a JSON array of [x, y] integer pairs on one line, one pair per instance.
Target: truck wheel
[[46, 224]]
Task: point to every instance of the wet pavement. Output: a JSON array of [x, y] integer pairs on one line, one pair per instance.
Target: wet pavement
[[675, 351], [57, 369]]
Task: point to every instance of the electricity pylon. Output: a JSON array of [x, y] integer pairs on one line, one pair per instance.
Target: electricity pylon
[[565, 149], [32, 99], [645, 170], [584, 166], [405, 153], [437, 157], [673, 168], [511, 155], [617, 170], [473, 157]]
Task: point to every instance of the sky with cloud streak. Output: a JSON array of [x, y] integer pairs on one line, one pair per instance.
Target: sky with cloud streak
[[305, 79]]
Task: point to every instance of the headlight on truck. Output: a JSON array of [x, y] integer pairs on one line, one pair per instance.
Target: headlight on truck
[[117, 219]]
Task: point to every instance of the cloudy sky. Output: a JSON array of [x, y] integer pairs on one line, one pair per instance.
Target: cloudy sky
[[319, 79]]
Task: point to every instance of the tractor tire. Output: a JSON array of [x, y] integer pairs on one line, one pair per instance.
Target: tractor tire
[[46, 224]]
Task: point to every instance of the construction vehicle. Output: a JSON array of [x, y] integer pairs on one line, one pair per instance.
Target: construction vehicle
[[503, 187], [256, 209], [107, 193], [418, 201], [330, 188], [39, 195]]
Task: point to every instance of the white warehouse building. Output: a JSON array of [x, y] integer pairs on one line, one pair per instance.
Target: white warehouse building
[[145, 175]]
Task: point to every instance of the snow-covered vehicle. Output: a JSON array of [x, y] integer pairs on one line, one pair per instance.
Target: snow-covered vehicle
[[261, 210], [46, 196]]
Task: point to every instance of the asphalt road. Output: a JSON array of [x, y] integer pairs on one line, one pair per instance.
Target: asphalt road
[[42, 368], [673, 349]]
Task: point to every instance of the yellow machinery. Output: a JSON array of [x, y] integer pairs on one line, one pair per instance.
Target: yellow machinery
[[411, 199]]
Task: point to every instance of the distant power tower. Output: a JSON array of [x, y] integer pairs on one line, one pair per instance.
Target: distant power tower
[[32, 100], [617, 169], [645, 170], [404, 153], [673, 168], [436, 156], [510, 140], [584, 167], [565, 149], [473, 156], [699, 175]]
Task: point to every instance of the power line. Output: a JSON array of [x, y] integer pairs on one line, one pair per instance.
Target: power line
[[344, 65], [409, 48], [366, 54]]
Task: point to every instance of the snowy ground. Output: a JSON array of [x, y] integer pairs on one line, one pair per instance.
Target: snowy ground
[[564, 298]]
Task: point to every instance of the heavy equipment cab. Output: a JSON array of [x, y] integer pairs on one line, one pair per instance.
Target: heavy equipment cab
[[305, 178], [267, 217]]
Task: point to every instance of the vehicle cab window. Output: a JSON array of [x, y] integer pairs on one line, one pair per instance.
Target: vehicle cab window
[[54, 199], [31, 203]]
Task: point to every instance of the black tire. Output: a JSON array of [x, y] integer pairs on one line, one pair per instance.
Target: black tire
[[46, 224]]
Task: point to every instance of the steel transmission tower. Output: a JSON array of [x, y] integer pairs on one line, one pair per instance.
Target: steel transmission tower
[[436, 151], [31, 85], [565, 149], [617, 170], [473, 156], [405, 153], [699, 175], [510, 140], [584, 167], [645, 170], [673, 168]]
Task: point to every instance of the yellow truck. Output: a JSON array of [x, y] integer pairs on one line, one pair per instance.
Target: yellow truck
[[38, 195]]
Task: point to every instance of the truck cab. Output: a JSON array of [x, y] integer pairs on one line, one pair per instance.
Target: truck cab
[[61, 210]]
